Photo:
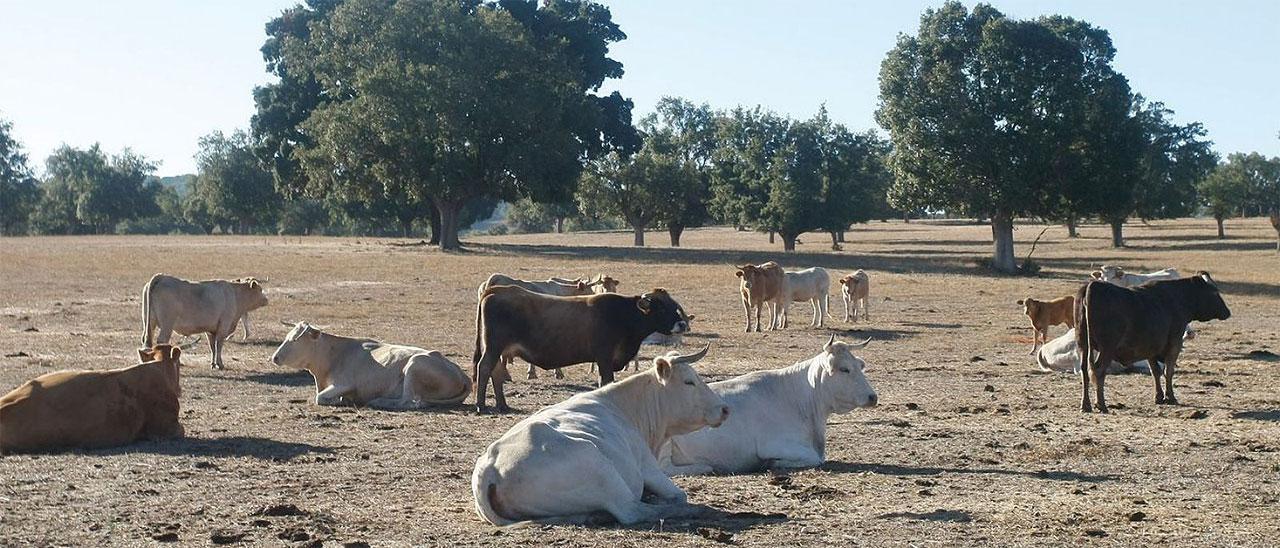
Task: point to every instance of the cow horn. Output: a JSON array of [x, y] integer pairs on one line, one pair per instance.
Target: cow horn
[[830, 342], [862, 344], [289, 324], [691, 358]]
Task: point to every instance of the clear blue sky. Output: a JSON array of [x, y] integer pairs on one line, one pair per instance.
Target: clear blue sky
[[155, 75]]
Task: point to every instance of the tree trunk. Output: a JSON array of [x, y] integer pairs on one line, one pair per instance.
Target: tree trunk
[[449, 224], [1275, 222], [840, 236], [789, 242], [770, 236], [835, 240], [1002, 235], [1222, 235], [1117, 233], [675, 230], [740, 228], [638, 230], [406, 227], [434, 214], [906, 218], [559, 225], [1071, 227]]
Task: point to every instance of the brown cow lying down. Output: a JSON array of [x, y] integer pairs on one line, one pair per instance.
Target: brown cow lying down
[[1059, 311], [90, 409]]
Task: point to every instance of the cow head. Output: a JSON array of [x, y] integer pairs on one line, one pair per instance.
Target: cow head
[[1108, 273], [1206, 302], [604, 284], [160, 353], [1029, 306], [664, 314], [686, 401], [299, 347], [250, 292], [748, 273], [840, 377]]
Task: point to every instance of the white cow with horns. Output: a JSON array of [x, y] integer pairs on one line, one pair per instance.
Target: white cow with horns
[[596, 452], [779, 416]]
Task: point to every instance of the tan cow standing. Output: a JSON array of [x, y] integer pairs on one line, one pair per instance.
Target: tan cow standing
[[352, 371], [213, 307], [762, 287], [856, 290], [92, 409]]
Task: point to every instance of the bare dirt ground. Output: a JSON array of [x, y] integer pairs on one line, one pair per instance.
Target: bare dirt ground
[[971, 445]]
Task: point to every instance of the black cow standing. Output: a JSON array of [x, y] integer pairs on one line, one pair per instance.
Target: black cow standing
[[1142, 323]]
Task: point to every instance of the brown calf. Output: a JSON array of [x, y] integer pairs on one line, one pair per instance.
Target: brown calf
[[1059, 311], [761, 286]]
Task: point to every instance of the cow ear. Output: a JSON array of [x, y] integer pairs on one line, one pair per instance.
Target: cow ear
[[690, 317], [143, 354], [663, 368], [1097, 275], [738, 273], [645, 304], [175, 353]]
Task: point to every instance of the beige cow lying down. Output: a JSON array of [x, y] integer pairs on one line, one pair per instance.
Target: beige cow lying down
[[595, 452], [366, 372], [1063, 355]]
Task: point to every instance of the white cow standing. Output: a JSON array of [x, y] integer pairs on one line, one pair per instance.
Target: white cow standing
[[366, 372], [779, 416], [812, 285], [213, 307], [595, 452]]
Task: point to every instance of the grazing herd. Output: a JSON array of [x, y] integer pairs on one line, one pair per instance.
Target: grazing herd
[[611, 450]]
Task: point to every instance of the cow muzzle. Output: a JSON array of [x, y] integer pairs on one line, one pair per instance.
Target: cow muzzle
[[680, 327], [721, 417]]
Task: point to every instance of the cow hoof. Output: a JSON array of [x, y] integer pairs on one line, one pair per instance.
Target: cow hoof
[[482, 410], [1086, 409], [1170, 401], [1102, 410], [504, 409]]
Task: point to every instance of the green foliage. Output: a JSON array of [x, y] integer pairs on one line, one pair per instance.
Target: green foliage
[[441, 102], [527, 216], [18, 189], [303, 216], [231, 189], [747, 142], [642, 188], [1174, 160], [87, 191]]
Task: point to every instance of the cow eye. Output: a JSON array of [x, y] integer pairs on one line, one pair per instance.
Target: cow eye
[[690, 383], [845, 370]]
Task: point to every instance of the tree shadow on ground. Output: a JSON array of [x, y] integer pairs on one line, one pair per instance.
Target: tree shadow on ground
[[896, 470], [1214, 245], [232, 446]]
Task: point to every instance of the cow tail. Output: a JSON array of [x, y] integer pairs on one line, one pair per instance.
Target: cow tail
[[146, 311], [484, 487], [475, 358], [1082, 328]]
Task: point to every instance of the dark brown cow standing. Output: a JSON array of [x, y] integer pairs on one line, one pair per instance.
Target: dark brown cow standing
[[1142, 323], [550, 332]]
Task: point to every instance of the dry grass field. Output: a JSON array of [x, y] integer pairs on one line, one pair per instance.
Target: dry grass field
[[971, 445]]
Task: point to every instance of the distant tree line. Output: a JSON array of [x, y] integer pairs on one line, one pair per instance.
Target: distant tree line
[[416, 117]]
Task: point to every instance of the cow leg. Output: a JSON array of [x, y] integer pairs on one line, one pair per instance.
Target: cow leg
[[164, 333], [606, 372], [1169, 362], [482, 371], [560, 373], [1153, 365], [331, 395], [215, 350], [533, 370], [1035, 341], [500, 396], [746, 307], [866, 308], [1099, 372], [1085, 403], [657, 482], [789, 456]]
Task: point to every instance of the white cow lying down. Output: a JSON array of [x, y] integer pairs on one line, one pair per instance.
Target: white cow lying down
[[367, 372], [1062, 354], [595, 452], [779, 416]]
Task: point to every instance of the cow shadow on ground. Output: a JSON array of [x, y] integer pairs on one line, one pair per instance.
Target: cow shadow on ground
[[1269, 416], [223, 447], [876, 334], [955, 516], [699, 519], [897, 470], [292, 378]]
